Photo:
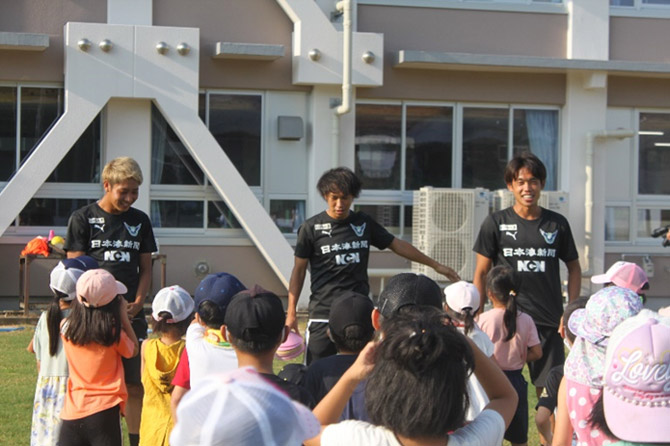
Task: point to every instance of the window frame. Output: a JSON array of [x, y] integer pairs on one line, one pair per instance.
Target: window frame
[[638, 201], [403, 197], [206, 193], [486, 5]]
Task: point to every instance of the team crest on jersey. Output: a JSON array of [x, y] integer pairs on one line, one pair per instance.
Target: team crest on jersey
[[549, 237], [133, 230], [359, 230]]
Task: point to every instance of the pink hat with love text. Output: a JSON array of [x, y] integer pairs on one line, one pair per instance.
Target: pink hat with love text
[[637, 379]]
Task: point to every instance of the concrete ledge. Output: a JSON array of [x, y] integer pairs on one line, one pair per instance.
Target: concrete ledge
[[493, 62], [248, 51], [24, 41]]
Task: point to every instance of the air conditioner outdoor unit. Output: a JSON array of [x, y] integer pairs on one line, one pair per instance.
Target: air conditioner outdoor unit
[[445, 223], [556, 201]]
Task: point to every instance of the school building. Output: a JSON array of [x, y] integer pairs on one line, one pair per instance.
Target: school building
[[234, 109]]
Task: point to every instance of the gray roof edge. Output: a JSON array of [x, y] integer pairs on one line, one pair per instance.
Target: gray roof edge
[[24, 41], [407, 58], [260, 51]]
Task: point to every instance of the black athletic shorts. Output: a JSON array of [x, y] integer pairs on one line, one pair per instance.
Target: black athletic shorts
[[320, 345], [549, 397], [100, 429], [553, 354], [517, 432], [132, 367]]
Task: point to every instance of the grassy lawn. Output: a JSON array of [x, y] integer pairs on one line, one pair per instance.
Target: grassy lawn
[[18, 375]]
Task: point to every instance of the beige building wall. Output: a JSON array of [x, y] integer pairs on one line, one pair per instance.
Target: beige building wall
[[452, 30], [20, 16], [247, 21], [639, 39], [638, 92], [244, 262]]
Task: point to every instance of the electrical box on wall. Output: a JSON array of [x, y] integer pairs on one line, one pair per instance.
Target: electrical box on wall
[[290, 128]]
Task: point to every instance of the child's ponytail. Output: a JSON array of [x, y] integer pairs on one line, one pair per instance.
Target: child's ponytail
[[53, 322], [500, 282], [509, 319], [468, 320]]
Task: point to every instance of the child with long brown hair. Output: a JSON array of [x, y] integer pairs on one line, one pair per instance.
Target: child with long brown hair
[[96, 335]]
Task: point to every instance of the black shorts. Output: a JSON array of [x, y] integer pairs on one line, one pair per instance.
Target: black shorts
[[517, 432], [100, 429], [553, 354], [132, 367], [549, 395], [320, 345]]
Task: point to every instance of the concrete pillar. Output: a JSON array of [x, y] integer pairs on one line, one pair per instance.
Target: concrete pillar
[[320, 148], [585, 112], [127, 132]]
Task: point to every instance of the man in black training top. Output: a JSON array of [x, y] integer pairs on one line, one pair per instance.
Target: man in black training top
[[336, 245], [121, 239], [531, 240]]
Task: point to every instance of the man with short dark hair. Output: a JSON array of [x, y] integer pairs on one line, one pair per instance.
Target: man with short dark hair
[[532, 241], [336, 245]]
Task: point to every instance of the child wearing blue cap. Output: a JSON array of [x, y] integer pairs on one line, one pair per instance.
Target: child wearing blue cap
[[208, 351]]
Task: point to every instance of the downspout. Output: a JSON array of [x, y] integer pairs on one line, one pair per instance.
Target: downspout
[[345, 7], [588, 192]]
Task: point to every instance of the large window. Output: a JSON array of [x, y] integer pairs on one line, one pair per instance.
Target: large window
[[27, 113], [182, 199], [640, 4], [654, 154], [632, 220], [401, 147]]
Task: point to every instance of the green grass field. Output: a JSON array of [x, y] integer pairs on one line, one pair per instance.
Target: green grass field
[[18, 374]]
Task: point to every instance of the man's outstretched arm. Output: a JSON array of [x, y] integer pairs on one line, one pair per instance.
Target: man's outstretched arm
[[408, 251]]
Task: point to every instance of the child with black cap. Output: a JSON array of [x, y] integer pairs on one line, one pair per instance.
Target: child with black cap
[[255, 326], [350, 329], [404, 291]]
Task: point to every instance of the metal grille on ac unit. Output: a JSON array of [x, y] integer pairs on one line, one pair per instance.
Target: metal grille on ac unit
[[445, 223]]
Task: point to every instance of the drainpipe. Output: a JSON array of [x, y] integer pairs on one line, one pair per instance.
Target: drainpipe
[[588, 192], [344, 6]]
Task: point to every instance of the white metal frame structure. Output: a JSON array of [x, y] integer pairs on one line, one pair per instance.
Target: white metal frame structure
[[105, 62]]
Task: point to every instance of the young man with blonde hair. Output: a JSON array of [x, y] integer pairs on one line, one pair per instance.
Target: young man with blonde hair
[[121, 239]]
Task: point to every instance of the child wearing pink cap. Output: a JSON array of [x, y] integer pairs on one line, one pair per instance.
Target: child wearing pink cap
[[96, 335], [634, 406]]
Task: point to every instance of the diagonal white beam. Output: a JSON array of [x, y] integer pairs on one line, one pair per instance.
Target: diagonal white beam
[[231, 187]]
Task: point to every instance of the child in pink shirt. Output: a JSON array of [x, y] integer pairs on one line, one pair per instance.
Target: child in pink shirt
[[515, 342]]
